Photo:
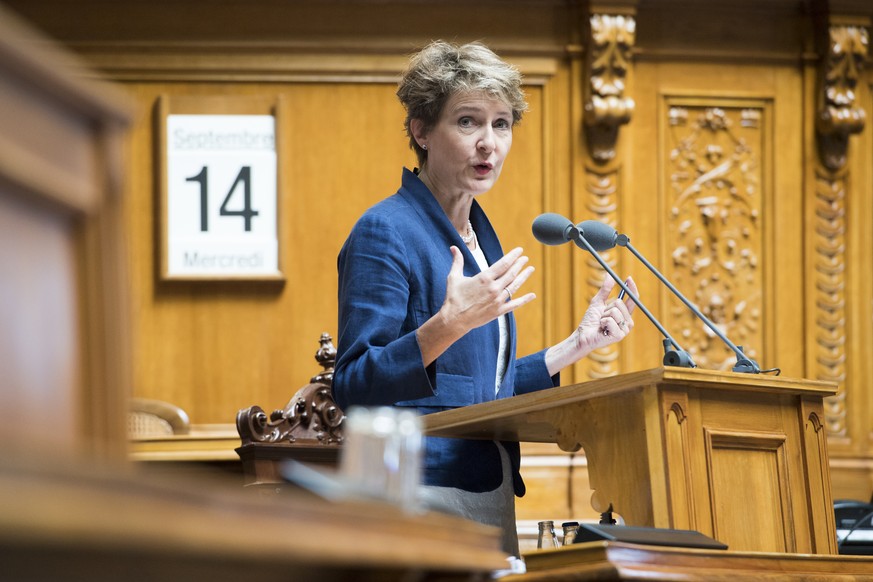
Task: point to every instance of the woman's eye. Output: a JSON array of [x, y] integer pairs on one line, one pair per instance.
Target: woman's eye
[[502, 124], [465, 122]]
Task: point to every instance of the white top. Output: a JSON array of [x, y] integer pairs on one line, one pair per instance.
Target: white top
[[501, 321]]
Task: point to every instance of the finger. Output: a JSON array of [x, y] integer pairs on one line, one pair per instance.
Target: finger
[[517, 302], [521, 279], [628, 302], [610, 327], [514, 285], [614, 325], [613, 312], [615, 319], [500, 267], [508, 280], [605, 289], [623, 311], [457, 268]]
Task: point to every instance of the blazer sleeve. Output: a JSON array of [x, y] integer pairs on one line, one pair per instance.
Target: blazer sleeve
[[531, 374], [379, 361]]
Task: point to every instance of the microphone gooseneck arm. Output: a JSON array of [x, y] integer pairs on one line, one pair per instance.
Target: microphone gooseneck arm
[[744, 363], [672, 357]]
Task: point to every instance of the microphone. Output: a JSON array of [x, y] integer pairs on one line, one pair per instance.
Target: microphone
[[604, 237], [601, 236], [554, 229], [744, 363]]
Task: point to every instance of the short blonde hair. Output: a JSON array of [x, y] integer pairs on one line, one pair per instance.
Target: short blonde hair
[[442, 69]]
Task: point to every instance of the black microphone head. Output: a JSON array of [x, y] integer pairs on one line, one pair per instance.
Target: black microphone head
[[599, 235], [553, 229]]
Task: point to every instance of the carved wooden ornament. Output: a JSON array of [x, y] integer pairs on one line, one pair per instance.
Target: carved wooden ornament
[[840, 115], [311, 415], [606, 107]]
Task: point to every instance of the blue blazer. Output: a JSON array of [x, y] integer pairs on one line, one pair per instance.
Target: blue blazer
[[392, 278]]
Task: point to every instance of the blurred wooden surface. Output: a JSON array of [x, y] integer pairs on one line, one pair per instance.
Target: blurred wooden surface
[[64, 334], [76, 523], [617, 561]]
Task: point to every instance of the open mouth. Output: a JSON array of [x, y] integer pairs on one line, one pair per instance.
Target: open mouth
[[483, 168]]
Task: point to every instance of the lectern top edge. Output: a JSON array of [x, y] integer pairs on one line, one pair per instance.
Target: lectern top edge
[[692, 379], [715, 377]]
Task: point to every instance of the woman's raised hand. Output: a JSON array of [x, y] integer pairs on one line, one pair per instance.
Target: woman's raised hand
[[474, 301], [605, 322]]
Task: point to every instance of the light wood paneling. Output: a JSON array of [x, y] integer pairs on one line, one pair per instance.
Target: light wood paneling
[[214, 349], [740, 299], [838, 247]]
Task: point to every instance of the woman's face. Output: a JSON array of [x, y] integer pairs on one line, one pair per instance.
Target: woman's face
[[468, 144]]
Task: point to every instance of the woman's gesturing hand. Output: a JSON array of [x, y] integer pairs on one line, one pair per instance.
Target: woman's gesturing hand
[[474, 301], [605, 322]]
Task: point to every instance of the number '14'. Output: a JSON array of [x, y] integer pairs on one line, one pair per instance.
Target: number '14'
[[244, 177]]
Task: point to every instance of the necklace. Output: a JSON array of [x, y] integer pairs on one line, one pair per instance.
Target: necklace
[[468, 238]]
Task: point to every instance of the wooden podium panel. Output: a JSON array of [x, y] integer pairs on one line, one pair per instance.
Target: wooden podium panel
[[741, 458]]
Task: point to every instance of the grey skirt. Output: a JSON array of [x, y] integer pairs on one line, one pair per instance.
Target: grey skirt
[[495, 507]]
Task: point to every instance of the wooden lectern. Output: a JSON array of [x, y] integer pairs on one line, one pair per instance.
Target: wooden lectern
[[741, 458]]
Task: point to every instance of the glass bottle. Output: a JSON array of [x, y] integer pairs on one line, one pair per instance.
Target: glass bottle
[[547, 538], [570, 528]]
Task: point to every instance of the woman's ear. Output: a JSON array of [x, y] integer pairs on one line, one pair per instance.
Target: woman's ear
[[416, 126]]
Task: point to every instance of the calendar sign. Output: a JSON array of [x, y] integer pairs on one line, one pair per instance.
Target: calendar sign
[[221, 215]]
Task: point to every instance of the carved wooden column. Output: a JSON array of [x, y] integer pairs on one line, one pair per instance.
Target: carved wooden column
[[610, 41], [840, 114], [843, 48]]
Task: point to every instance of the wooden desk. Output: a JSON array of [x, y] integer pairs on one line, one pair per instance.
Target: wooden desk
[[741, 458], [203, 443], [617, 561], [218, 447], [79, 522]]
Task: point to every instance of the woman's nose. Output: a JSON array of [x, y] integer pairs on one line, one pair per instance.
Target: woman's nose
[[486, 140]]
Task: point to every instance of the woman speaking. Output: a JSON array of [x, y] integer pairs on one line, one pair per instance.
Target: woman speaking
[[426, 293]]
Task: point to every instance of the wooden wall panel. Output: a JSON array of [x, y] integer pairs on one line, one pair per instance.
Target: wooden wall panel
[[214, 348], [708, 115]]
